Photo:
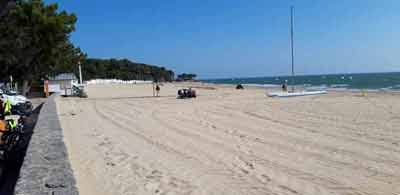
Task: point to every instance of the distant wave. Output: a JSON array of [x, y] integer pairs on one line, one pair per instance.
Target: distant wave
[[397, 87], [339, 85]]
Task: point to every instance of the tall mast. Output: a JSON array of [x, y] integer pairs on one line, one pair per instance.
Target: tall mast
[[291, 43]]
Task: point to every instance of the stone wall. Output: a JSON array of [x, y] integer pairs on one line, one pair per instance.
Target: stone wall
[[46, 168]]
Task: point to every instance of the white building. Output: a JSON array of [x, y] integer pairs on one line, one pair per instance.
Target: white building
[[63, 83]]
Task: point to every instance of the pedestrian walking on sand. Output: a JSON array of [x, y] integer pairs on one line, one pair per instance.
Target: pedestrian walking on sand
[[157, 90]]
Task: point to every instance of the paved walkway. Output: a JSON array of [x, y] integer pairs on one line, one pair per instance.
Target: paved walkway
[[46, 169]]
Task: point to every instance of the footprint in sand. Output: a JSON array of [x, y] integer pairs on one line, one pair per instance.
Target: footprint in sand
[[158, 183]]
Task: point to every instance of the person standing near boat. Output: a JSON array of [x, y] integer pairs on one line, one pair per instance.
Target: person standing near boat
[[284, 86]]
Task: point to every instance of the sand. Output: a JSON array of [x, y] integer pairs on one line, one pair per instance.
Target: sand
[[123, 141]]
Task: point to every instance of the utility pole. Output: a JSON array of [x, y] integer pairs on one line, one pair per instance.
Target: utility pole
[[80, 72], [154, 89], [10, 86]]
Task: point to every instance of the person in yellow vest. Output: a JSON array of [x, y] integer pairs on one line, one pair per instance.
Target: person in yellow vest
[[7, 107], [12, 124]]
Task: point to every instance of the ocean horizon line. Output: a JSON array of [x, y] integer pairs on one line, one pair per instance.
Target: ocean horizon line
[[299, 75], [373, 80]]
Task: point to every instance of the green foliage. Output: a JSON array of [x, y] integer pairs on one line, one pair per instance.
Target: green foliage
[[34, 44], [34, 40], [124, 70], [186, 77]]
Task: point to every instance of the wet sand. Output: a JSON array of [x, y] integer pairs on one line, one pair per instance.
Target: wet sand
[[121, 140]]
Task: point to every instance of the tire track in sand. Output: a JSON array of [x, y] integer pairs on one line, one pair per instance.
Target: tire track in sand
[[248, 167], [178, 154]]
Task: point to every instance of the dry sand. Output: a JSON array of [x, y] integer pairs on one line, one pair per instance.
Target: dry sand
[[122, 141]]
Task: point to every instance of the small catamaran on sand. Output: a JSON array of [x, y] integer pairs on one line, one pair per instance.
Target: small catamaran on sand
[[292, 92]]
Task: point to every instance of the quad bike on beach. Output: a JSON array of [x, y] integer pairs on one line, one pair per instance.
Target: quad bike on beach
[[239, 86], [186, 93], [78, 90]]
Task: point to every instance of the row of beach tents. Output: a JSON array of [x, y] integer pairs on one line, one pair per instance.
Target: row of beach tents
[[117, 81]]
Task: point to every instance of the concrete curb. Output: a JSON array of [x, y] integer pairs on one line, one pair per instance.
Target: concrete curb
[[46, 168]]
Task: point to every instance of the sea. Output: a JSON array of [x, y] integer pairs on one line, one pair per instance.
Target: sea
[[351, 81]]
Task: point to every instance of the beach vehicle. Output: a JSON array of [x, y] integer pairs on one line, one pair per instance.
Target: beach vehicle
[[239, 86], [186, 93], [79, 91]]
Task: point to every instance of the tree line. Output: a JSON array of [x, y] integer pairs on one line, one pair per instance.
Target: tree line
[[124, 69], [186, 77], [35, 44]]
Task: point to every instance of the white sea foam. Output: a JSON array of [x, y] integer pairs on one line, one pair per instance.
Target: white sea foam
[[395, 87]]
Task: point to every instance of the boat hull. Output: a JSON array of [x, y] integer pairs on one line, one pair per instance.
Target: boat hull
[[295, 94]]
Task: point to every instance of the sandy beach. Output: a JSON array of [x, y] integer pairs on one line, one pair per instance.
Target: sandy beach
[[121, 140]]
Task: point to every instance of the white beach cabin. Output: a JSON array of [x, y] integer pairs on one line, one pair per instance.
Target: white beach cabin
[[63, 83]]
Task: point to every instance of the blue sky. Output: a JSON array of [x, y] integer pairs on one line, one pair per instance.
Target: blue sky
[[232, 38]]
